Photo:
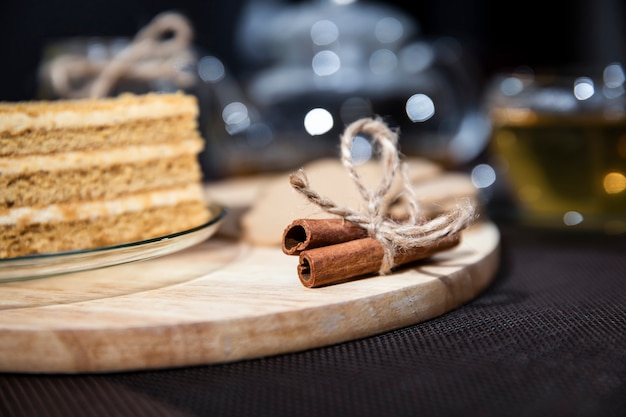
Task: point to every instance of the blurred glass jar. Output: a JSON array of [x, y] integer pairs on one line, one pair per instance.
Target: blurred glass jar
[[160, 57], [314, 67], [559, 145]]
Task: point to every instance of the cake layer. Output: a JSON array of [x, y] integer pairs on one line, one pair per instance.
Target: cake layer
[[102, 232], [78, 174], [96, 182], [90, 210], [100, 158], [46, 141], [69, 114]]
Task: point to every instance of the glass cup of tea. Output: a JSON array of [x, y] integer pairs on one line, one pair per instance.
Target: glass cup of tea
[[558, 145]]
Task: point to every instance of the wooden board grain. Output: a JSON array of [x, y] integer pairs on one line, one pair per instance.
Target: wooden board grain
[[222, 301]]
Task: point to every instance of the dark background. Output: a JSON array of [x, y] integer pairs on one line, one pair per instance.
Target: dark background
[[584, 35]]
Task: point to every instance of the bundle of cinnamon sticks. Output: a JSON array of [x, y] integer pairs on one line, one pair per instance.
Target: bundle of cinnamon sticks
[[335, 250]]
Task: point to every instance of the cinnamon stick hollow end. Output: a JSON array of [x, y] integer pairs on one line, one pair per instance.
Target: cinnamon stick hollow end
[[303, 234], [339, 262], [312, 275], [294, 239], [304, 273]]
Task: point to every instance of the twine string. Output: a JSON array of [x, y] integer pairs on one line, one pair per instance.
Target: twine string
[[150, 56], [393, 235]]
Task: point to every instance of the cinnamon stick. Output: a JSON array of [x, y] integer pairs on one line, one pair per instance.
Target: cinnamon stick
[[339, 262], [303, 234]]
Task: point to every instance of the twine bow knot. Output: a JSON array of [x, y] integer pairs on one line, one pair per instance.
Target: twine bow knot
[[150, 56], [393, 235]]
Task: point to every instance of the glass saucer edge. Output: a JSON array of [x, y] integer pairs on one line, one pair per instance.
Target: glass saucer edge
[[58, 263]]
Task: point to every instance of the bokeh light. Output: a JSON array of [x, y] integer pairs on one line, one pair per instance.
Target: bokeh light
[[318, 121], [483, 176], [383, 61], [583, 88], [211, 69], [324, 32], [361, 150], [388, 30], [420, 107], [572, 218], [511, 86], [236, 118], [326, 63], [614, 182], [613, 76]]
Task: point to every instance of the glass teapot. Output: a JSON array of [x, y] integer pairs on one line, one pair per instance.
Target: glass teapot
[[315, 67]]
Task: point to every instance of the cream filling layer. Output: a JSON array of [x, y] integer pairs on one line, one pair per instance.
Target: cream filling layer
[[100, 158], [18, 121], [102, 208]]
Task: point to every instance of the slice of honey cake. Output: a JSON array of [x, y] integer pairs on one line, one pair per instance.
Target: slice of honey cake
[[78, 174]]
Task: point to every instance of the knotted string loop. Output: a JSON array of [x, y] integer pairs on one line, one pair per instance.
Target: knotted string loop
[[393, 235], [158, 52]]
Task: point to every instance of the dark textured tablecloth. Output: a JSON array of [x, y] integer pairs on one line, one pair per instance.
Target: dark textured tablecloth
[[547, 338]]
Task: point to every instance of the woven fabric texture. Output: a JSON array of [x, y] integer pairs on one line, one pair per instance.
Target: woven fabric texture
[[547, 338]]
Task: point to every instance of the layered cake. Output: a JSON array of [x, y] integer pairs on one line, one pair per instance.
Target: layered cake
[[78, 174]]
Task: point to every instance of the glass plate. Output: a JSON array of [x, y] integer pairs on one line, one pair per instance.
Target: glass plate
[[48, 264]]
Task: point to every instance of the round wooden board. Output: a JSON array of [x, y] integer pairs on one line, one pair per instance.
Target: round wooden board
[[222, 301]]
